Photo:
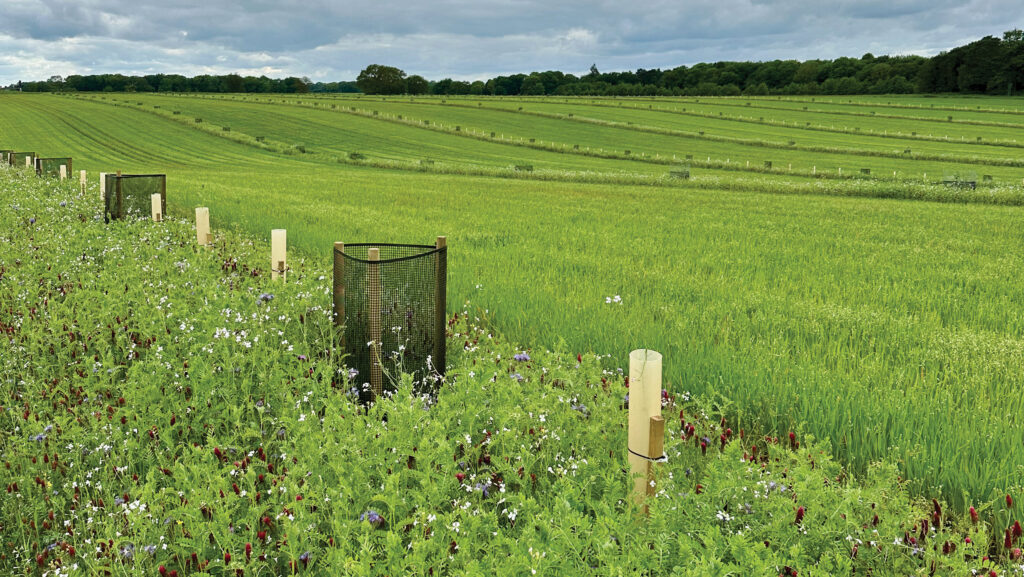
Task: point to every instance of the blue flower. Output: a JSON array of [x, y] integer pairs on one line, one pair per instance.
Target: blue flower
[[522, 357], [265, 297], [372, 517]]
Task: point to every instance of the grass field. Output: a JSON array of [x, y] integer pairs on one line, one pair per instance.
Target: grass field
[[894, 327]]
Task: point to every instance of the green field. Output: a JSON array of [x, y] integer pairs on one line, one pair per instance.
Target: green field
[[892, 326]]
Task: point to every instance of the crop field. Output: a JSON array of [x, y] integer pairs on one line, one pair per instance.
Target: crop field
[[845, 291]]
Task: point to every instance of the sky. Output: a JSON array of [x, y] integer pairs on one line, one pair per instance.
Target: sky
[[468, 39]]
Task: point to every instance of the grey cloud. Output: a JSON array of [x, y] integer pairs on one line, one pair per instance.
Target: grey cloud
[[467, 38]]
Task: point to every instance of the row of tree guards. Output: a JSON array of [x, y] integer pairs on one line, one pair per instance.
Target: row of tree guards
[[57, 166], [390, 300]]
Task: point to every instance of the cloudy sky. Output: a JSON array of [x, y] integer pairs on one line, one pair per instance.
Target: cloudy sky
[[467, 39]]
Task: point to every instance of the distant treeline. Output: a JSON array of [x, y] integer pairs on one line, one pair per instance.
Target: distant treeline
[[990, 65], [178, 83]]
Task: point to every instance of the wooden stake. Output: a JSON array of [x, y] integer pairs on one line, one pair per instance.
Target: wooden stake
[[82, 180], [103, 186], [28, 161], [440, 304], [203, 236], [156, 207], [644, 405], [278, 253], [339, 285], [656, 442], [373, 284], [63, 172]]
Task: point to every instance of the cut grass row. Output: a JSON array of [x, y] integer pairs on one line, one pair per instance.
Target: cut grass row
[[624, 141]]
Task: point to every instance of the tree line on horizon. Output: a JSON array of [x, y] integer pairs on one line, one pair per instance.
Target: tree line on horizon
[[987, 66]]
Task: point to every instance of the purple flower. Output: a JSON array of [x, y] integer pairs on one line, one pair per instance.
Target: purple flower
[[372, 517], [303, 357], [522, 357], [32, 220], [517, 377], [266, 297]]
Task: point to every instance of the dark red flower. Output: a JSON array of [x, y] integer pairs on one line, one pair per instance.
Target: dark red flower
[[800, 514], [974, 515]]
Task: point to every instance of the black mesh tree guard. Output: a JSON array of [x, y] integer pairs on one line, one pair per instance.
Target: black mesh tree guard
[[393, 312], [130, 195], [18, 158], [51, 166]]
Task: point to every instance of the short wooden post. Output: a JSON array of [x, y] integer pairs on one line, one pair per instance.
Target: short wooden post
[[63, 172], [278, 252], [103, 186], [339, 285], [440, 304], [373, 286], [28, 161], [156, 206], [82, 180], [203, 236], [646, 427]]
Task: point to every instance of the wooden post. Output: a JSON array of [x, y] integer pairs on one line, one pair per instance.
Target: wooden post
[[203, 236], [440, 304], [63, 172], [156, 207], [656, 444], [278, 252], [82, 180], [646, 428], [339, 285], [103, 186], [373, 285], [28, 161]]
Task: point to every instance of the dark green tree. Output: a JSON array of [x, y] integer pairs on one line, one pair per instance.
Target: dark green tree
[[416, 84], [380, 79]]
